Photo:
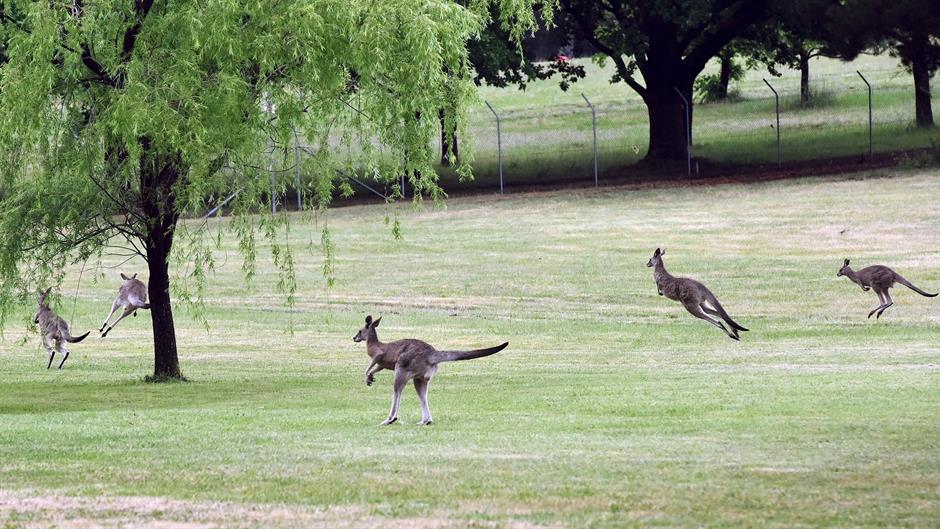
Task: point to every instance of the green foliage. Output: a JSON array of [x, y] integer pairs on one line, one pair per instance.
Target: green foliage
[[909, 29], [708, 88], [119, 117], [668, 44]]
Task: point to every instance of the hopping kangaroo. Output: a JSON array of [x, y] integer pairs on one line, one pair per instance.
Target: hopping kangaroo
[[694, 296], [410, 359], [55, 330], [880, 278], [131, 296]]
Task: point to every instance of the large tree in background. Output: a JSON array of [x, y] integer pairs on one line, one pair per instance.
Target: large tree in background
[[668, 44], [909, 29], [500, 59], [116, 117], [798, 32]]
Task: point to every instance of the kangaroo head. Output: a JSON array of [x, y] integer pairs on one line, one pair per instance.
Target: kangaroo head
[[43, 295], [41, 301], [845, 269], [657, 258], [368, 329], [126, 278]]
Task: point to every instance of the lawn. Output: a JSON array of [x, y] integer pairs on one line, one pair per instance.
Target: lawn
[[612, 407]]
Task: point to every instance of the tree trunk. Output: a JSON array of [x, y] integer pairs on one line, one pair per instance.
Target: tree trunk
[[804, 78], [667, 114], [165, 359], [922, 106], [158, 177], [448, 140], [724, 77]]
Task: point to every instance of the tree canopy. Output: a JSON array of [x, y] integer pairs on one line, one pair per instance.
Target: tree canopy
[[909, 29], [667, 44], [118, 117]]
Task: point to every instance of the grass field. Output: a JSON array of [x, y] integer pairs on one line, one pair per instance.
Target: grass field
[[612, 407], [547, 132]]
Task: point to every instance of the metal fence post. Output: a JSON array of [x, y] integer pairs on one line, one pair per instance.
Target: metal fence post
[[300, 206], [688, 131], [594, 128], [871, 152], [777, 100], [499, 145]]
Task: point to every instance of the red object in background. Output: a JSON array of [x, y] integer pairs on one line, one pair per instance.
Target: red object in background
[[561, 58]]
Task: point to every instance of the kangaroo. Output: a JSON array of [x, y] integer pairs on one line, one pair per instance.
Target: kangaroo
[[410, 359], [694, 296], [881, 279], [55, 330], [131, 296]]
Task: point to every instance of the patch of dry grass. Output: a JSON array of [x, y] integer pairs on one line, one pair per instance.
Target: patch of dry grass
[[612, 407]]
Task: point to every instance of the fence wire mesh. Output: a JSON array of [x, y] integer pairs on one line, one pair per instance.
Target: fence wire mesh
[[831, 123], [544, 140]]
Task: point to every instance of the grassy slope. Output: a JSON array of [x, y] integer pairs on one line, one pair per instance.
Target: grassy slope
[[547, 132], [611, 408]]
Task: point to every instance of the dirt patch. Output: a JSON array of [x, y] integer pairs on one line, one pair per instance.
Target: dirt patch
[[28, 511]]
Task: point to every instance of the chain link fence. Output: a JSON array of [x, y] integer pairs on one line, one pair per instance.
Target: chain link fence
[[848, 117], [763, 122]]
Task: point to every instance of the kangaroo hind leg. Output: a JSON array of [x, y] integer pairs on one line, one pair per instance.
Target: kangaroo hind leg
[[114, 307], [881, 303], [47, 343], [400, 380], [696, 310], [888, 303], [63, 348], [714, 312], [421, 386], [128, 310]]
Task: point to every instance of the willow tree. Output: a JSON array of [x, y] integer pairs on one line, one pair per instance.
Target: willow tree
[[120, 117]]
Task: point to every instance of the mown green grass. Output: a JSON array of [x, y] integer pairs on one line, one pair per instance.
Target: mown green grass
[[612, 407]]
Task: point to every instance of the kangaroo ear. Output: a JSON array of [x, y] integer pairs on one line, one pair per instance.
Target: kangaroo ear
[[376, 322], [368, 320], [662, 252], [134, 276], [846, 263], [124, 277], [656, 252]]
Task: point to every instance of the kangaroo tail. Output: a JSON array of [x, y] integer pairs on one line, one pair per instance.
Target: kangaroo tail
[[909, 285], [76, 339], [454, 356], [724, 315]]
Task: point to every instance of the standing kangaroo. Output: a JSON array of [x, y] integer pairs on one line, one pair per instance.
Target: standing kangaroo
[[55, 330], [694, 296], [411, 359], [131, 296], [880, 278]]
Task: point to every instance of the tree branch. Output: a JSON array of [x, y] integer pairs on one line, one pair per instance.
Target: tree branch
[[587, 32], [736, 17]]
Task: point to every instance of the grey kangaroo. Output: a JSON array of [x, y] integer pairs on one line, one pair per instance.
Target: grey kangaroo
[[131, 296], [410, 359], [694, 296], [880, 278], [55, 330]]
